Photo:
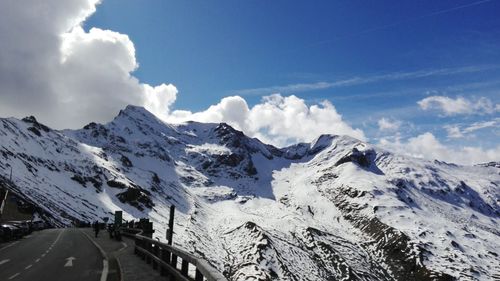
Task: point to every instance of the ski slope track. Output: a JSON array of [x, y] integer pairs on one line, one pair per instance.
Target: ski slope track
[[333, 209]]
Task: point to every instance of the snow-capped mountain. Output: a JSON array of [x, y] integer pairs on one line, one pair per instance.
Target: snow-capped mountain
[[333, 209]]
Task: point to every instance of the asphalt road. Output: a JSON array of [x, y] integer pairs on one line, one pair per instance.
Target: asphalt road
[[52, 254]]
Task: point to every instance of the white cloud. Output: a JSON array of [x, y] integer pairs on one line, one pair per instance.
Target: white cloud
[[495, 123], [454, 131], [428, 146], [53, 69], [385, 124], [457, 106], [457, 131], [159, 99], [278, 120]]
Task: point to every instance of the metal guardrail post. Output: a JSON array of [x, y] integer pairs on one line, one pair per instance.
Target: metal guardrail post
[[173, 261], [163, 257], [184, 267], [198, 276], [136, 245], [148, 249], [154, 251]]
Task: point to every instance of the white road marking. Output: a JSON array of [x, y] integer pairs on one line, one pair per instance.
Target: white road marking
[[124, 246], [37, 260], [69, 262], [105, 268], [58, 236], [10, 245], [55, 241]]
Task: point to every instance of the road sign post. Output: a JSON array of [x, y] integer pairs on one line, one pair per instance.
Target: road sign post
[[118, 219], [170, 230]]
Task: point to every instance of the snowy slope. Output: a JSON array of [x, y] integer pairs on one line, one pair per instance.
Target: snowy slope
[[333, 209]]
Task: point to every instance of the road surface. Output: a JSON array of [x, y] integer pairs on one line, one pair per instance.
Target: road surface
[[52, 254]]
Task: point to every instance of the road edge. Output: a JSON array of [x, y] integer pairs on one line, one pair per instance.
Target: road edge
[[119, 268], [105, 261]]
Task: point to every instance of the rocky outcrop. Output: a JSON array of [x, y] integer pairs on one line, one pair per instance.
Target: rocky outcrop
[[403, 257]]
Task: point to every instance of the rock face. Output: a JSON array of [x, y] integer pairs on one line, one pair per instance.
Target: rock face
[[490, 164], [333, 209]]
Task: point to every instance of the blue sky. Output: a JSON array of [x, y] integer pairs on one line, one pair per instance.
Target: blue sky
[[212, 49], [417, 77]]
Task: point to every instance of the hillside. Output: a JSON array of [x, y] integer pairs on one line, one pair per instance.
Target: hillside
[[333, 209]]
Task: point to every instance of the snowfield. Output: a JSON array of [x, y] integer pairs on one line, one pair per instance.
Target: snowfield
[[332, 209]]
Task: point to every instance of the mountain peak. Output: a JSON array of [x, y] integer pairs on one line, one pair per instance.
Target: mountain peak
[[32, 120], [137, 113], [133, 110]]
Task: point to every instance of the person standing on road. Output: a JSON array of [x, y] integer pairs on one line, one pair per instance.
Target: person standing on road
[[96, 228]]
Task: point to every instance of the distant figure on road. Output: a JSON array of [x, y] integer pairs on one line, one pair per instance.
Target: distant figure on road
[[96, 228]]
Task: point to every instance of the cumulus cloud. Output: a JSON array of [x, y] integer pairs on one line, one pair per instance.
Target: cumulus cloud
[[276, 119], [52, 68], [458, 106], [386, 124], [428, 146], [159, 99]]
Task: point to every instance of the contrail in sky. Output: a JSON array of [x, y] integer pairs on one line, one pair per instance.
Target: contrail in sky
[[395, 76], [455, 8], [440, 12], [426, 16]]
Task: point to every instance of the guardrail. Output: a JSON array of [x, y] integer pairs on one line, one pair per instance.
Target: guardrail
[[167, 259]]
